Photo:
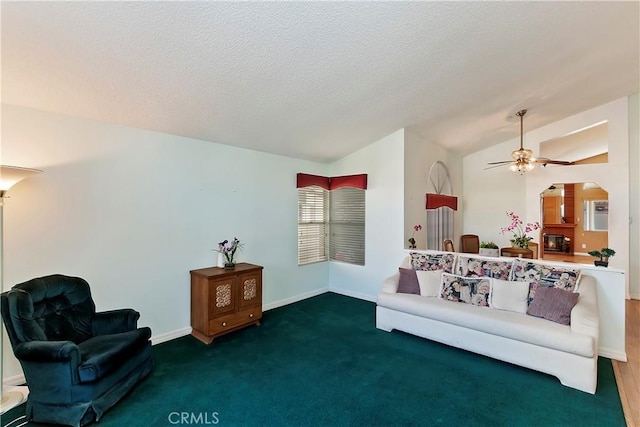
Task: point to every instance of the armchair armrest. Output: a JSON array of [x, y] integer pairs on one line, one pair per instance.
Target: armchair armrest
[[47, 351], [114, 321]]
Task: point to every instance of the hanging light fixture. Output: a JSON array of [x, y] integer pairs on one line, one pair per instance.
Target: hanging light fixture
[[522, 159]]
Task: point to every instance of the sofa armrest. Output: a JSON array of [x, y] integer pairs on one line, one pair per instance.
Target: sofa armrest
[[114, 321], [584, 315], [390, 284]]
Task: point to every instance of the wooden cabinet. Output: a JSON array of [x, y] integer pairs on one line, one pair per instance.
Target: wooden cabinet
[[517, 252], [223, 301]]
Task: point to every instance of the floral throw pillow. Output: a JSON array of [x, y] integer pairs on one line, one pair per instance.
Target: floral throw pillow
[[478, 267], [468, 290], [432, 262], [538, 275]]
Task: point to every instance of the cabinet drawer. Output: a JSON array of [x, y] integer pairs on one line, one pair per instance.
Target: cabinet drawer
[[231, 321]]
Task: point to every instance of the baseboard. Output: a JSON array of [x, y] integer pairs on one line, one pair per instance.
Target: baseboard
[[168, 336], [611, 354], [291, 300], [352, 294]]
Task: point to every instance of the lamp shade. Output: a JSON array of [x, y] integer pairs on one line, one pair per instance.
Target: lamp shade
[[10, 175]]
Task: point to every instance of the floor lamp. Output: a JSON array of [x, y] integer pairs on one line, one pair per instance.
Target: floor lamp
[[9, 175]]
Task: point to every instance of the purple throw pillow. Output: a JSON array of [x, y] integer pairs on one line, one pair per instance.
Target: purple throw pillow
[[553, 304], [408, 282]]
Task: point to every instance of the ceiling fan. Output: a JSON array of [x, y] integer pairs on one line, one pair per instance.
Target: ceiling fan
[[521, 159]]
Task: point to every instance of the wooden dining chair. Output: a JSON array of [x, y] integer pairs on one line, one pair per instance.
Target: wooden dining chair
[[447, 245], [469, 244]]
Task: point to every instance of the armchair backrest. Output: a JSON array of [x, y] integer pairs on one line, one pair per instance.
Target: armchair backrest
[[50, 308]]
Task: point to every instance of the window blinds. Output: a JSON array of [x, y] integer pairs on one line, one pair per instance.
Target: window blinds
[[313, 216], [347, 225]]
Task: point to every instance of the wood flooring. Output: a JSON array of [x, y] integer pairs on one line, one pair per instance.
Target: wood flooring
[[628, 374]]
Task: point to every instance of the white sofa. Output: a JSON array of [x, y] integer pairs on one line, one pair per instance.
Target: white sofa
[[569, 352]]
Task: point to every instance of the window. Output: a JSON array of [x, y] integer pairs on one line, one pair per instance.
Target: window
[[331, 219], [346, 224], [313, 219]]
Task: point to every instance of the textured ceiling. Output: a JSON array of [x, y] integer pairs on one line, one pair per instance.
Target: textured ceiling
[[319, 80]]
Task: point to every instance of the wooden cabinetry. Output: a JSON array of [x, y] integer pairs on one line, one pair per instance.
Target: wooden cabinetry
[[223, 301]]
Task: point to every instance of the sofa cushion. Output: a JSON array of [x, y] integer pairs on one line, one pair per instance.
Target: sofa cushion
[[553, 304], [508, 295], [408, 282], [540, 274], [429, 282], [507, 324], [104, 353], [482, 267], [469, 290], [424, 261]]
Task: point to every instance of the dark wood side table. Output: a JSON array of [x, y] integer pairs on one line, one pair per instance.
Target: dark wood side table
[[223, 301], [516, 252]]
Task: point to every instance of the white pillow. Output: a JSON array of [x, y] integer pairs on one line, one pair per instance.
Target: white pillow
[[509, 296], [429, 281]]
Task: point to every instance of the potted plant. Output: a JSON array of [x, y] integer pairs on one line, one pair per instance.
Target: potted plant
[[412, 240], [228, 249], [604, 254], [489, 249]]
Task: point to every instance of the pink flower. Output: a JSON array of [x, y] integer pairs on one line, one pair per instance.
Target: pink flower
[[519, 232]]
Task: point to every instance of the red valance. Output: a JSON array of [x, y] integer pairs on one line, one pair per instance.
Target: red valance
[[306, 180], [333, 183], [435, 201]]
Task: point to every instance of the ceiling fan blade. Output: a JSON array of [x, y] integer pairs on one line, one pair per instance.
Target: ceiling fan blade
[[500, 163], [544, 161], [496, 166]]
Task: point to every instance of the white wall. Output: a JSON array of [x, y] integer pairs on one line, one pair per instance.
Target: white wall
[[419, 156], [488, 194], [132, 211], [383, 161]]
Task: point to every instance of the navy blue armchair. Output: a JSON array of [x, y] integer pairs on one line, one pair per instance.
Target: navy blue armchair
[[77, 363]]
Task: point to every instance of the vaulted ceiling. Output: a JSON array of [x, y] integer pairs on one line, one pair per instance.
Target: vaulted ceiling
[[319, 80]]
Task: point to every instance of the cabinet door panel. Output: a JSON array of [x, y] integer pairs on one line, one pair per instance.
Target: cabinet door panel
[[222, 298], [250, 290]]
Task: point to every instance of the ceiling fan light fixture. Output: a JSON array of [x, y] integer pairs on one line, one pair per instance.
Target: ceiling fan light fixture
[[522, 159]]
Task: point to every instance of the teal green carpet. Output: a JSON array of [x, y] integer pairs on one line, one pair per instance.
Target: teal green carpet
[[322, 362]]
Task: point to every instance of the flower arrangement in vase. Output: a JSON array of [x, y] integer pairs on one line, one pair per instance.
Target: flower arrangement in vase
[[412, 240], [519, 230], [228, 249]]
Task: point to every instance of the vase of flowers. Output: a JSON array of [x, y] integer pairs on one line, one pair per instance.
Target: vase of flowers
[[519, 230], [412, 240], [228, 249]]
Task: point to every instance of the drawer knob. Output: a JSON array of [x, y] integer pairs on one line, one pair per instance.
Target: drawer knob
[[251, 315], [224, 323]]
